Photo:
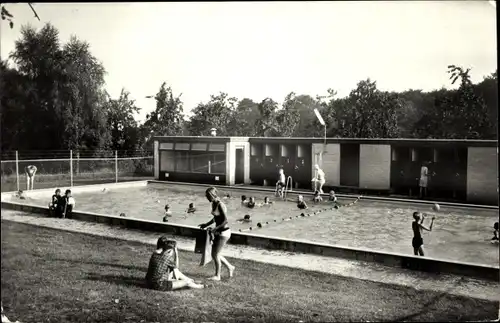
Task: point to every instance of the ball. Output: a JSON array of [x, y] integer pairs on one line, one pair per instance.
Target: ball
[[436, 207]]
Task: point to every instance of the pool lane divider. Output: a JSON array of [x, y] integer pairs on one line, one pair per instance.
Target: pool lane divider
[[302, 215], [263, 189], [426, 264]]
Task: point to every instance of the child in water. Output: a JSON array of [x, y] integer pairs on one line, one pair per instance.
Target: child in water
[[191, 208], [266, 201], [332, 197], [495, 233], [20, 195], [246, 218], [244, 200], [300, 202], [168, 213], [317, 197], [251, 203]]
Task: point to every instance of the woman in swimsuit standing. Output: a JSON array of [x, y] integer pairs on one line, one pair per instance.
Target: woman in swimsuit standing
[[221, 232], [418, 227]]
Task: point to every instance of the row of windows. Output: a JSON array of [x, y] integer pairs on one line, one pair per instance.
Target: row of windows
[[193, 162], [184, 146]]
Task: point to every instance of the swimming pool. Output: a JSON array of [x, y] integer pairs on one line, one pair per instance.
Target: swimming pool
[[460, 234]]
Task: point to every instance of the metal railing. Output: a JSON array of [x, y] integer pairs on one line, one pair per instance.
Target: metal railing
[[70, 168]]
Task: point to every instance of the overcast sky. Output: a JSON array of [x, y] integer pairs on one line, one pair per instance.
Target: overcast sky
[[267, 49]]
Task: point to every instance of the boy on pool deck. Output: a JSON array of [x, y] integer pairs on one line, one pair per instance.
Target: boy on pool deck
[[280, 184], [300, 202], [418, 227]]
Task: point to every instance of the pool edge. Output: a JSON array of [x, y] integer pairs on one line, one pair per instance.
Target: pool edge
[[274, 243]]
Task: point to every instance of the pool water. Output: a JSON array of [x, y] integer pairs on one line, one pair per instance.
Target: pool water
[[460, 234]]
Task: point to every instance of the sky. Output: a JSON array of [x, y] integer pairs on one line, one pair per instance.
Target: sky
[[268, 49]]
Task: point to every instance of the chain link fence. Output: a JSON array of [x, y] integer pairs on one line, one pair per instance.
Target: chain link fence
[[73, 168]]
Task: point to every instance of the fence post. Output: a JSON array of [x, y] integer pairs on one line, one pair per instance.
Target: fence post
[[17, 170], [116, 166], [71, 168], [209, 167], [78, 163]]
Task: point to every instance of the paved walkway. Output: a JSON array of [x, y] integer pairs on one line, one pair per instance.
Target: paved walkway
[[451, 284]]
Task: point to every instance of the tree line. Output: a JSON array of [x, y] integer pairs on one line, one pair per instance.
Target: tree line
[[53, 97]]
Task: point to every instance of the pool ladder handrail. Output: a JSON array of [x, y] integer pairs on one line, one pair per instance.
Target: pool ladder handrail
[[289, 179]]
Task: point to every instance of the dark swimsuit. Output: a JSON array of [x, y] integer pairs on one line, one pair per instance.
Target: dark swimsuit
[[417, 241], [302, 205]]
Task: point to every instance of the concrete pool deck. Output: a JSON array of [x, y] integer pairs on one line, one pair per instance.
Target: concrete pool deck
[[451, 284]]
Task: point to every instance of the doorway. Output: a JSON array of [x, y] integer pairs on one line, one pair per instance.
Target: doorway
[[239, 170]]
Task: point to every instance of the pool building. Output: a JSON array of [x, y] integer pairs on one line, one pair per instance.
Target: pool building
[[461, 170]]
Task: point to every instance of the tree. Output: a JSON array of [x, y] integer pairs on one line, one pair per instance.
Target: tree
[[167, 119], [470, 117], [288, 117], [125, 133], [59, 93], [245, 119], [217, 113], [266, 125], [368, 113]]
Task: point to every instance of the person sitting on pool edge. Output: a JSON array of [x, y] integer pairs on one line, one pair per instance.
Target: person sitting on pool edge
[[417, 227], [163, 269], [53, 203], [300, 203], [317, 197], [495, 233], [191, 208], [65, 205]]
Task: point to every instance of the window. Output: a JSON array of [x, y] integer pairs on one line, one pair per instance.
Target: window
[[166, 146], [182, 161], [217, 147], [200, 161], [181, 146], [167, 162], [219, 163]]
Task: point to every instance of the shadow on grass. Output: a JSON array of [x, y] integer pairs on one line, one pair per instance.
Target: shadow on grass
[[103, 264], [118, 280], [427, 307]]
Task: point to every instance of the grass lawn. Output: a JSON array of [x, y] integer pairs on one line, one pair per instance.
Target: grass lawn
[[57, 276]]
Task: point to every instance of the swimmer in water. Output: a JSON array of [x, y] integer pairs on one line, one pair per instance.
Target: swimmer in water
[[53, 203], [20, 194], [244, 200], [332, 197], [317, 197], [191, 208], [168, 213], [227, 196], [495, 233], [251, 203], [267, 202], [300, 203], [418, 227], [246, 218]]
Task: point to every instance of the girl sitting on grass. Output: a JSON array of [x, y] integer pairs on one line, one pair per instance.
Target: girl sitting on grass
[[163, 270]]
